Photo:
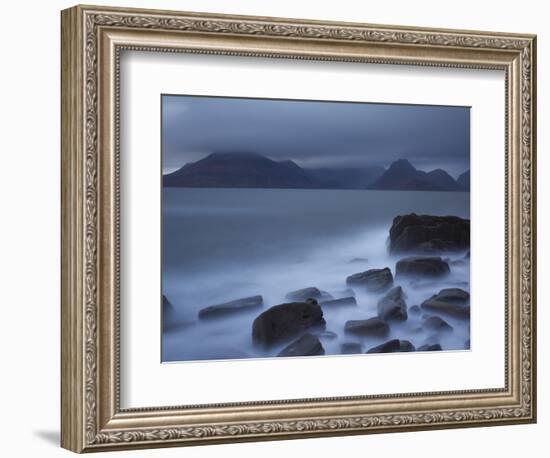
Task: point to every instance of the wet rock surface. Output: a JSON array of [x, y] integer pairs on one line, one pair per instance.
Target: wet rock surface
[[306, 345], [393, 306], [428, 233], [373, 280], [450, 301], [370, 327], [285, 321], [232, 307], [422, 266]]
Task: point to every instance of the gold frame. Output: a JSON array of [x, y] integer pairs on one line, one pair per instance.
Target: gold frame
[[92, 39]]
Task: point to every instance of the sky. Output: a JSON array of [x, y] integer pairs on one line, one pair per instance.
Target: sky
[[316, 134]]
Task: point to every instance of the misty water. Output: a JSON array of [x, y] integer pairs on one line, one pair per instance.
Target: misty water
[[225, 244]]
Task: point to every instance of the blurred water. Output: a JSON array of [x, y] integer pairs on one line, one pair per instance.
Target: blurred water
[[224, 244]]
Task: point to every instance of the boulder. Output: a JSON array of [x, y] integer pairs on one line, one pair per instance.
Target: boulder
[[285, 321], [371, 327], [301, 295], [435, 323], [307, 345], [428, 347], [450, 301], [428, 233], [351, 348], [229, 308], [393, 306], [393, 346], [342, 302], [415, 309], [373, 280], [422, 266]]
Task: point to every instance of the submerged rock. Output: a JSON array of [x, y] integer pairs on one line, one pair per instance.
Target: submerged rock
[[430, 347], [351, 348], [427, 233], [326, 335], [373, 280], [371, 327], [393, 306], [393, 346], [415, 309], [307, 345], [422, 266], [451, 301], [301, 295], [435, 323], [285, 321], [342, 302], [232, 307], [358, 260]]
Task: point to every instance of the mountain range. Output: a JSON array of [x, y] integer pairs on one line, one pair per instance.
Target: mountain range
[[252, 170]]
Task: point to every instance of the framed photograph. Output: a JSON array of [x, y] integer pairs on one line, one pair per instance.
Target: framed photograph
[[277, 228]]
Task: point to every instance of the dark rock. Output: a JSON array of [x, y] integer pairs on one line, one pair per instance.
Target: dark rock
[[422, 266], [373, 280], [451, 301], [232, 307], [342, 302], [427, 233], [168, 314], [415, 309], [358, 260], [301, 295], [393, 346], [432, 347], [285, 321], [435, 323], [371, 327], [307, 345], [351, 348], [392, 306]]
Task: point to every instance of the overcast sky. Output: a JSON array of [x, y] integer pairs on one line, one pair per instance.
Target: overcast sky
[[316, 134]]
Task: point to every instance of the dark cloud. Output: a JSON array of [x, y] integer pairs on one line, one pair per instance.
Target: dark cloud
[[316, 134]]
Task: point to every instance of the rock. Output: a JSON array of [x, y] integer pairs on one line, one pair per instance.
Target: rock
[[393, 346], [451, 301], [232, 307], [392, 306], [358, 260], [307, 345], [342, 302], [432, 347], [168, 314], [351, 348], [427, 233], [373, 280], [415, 310], [422, 266], [326, 335], [371, 327], [300, 295], [348, 292], [435, 323], [285, 321]]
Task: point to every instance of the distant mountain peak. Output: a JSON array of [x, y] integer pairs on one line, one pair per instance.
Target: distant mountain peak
[[401, 175]]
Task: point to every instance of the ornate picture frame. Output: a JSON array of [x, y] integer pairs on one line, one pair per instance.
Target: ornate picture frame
[[92, 41]]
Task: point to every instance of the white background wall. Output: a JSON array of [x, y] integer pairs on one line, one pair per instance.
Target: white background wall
[[29, 232]]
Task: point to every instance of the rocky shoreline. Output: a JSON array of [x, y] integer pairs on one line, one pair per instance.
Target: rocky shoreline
[[429, 248]]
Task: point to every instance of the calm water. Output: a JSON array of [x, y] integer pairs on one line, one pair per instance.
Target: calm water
[[225, 244]]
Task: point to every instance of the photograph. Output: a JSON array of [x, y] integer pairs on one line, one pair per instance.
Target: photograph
[[313, 228]]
